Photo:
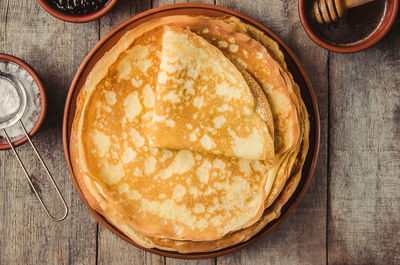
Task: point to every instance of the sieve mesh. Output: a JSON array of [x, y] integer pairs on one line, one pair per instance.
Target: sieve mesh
[[12, 100]]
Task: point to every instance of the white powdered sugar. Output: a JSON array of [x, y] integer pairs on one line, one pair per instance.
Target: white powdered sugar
[[9, 100]]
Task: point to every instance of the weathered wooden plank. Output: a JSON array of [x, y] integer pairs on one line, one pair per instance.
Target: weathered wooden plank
[[54, 49], [301, 238], [170, 261], [364, 216], [111, 249], [121, 12]]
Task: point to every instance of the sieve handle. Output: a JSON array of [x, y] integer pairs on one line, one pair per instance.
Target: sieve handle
[[29, 179]]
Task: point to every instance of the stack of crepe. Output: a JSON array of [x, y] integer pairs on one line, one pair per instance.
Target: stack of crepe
[[190, 133]]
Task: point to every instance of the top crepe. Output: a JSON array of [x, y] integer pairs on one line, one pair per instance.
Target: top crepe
[[203, 103], [174, 194]]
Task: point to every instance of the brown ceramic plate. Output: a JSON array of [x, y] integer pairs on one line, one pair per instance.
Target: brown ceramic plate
[[299, 75], [3, 141]]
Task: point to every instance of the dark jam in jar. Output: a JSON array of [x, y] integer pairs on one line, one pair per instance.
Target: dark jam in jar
[[78, 7], [355, 26]]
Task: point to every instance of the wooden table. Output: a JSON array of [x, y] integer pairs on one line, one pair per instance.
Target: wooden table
[[350, 213]]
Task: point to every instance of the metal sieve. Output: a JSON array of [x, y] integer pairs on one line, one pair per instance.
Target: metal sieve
[[8, 120]]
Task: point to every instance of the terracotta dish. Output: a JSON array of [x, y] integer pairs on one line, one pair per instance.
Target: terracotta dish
[[294, 131], [77, 18], [359, 29], [3, 142]]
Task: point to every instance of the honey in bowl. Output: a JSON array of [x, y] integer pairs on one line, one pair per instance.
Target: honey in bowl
[[359, 23], [78, 7]]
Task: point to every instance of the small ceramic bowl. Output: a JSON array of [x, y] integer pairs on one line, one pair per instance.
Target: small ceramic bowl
[[362, 27], [77, 18], [3, 142]]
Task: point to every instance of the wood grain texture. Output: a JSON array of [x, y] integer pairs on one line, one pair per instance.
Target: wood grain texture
[[360, 127], [54, 49], [169, 261], [364, 212], [301, 239]]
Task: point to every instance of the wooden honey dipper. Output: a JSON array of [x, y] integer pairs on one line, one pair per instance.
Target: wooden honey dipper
[[328, 11]]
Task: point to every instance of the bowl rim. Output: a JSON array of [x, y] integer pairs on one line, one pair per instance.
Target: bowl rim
[[361, 45], [307, 83], [43, 103], [77, 18]]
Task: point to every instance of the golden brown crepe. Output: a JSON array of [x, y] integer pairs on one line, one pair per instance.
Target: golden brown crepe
[[200, 196], [203, 102], [179, 199]]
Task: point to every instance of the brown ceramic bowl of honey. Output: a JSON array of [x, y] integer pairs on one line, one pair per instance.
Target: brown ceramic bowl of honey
[[362, 26], [77, 11]]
